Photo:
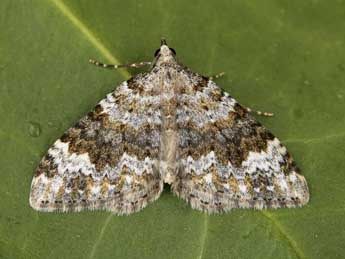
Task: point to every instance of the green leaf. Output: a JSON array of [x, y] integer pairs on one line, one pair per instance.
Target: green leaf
[[287, 57]]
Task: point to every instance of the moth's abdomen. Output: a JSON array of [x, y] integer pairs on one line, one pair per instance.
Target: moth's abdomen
[[169, 137]]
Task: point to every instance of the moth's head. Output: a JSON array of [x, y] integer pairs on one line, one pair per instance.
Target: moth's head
[[164, 54]]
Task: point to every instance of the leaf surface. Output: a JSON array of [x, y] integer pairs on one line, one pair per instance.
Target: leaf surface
[[286, 57]]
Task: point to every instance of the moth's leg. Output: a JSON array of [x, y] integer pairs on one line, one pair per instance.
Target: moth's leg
[[266, 114], [216, 76], [136, 65]]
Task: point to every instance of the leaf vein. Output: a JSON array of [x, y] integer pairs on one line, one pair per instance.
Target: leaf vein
[[100, 236], [66, 11], [291, 242], [203, 237], [317, 139]]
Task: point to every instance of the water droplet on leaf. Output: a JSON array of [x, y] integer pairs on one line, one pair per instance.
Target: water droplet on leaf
[[306, 82], [34, 129]]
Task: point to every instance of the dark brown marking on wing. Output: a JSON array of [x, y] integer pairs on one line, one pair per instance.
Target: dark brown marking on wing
[[106, 141]]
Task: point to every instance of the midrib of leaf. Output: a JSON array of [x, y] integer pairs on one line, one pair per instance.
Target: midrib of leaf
[[89, 35], [291, 242]]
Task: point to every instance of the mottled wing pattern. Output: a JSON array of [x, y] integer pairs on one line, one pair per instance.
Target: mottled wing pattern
[[229, 160], [108, 160]]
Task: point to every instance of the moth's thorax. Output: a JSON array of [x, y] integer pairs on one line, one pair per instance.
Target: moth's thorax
[[165, 56]]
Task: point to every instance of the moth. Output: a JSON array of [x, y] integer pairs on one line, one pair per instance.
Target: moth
[[168, 125]]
